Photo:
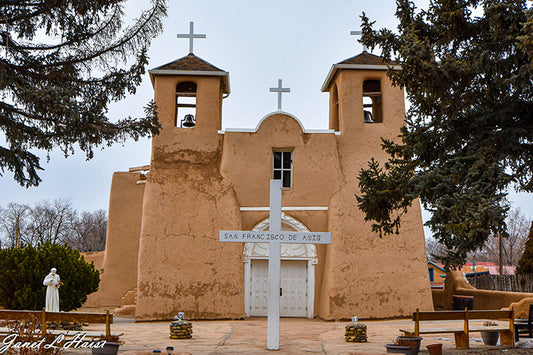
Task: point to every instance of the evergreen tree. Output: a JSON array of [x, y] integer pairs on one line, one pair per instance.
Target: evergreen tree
[[22, 271], [62, 63], [466, 68], [525, 265]]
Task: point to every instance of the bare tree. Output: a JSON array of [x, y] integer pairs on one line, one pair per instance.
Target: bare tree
[[13, 217], [434, 249], [50, 222], [56, 222], [89, 231], [512, 246]]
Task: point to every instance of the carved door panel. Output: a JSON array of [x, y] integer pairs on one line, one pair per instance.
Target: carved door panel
[[293, 302], [259, 291]]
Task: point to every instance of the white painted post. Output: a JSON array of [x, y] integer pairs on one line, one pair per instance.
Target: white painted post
[[274, 265]]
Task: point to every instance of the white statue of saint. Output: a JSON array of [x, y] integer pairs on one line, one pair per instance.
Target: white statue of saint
[[52, 291]]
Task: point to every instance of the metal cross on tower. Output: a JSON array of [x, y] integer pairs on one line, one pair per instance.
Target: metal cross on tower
[[359, 33], [280, 90], [191, 36]]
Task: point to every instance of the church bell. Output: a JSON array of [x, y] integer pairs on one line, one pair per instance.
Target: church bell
[[368, 117], [188, 121]]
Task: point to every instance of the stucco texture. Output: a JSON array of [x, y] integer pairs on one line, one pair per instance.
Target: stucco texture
[[365, 275], [122, 242], [456, 284], [182, 265], [96, 257], [202, 181]]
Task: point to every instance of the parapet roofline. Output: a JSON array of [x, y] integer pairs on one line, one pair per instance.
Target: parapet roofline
[[254, 130], [193, 66]]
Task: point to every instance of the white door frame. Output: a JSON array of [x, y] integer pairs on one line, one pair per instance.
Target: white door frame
[[288, 252]]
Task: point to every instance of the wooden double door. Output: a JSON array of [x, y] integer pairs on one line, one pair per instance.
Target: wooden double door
[[293, 301]]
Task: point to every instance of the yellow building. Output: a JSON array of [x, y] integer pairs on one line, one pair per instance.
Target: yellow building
[[164, 219]]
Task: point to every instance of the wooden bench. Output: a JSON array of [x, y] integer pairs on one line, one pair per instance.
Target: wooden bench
[[462, 334], [57, 317]]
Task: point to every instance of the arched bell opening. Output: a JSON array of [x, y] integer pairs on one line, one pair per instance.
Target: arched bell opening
[[186, 104], [372, 112]]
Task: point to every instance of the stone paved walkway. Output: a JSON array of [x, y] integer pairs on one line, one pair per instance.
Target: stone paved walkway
[[297, 336]]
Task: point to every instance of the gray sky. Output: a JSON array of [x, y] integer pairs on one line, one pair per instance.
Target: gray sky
[[257, 42]]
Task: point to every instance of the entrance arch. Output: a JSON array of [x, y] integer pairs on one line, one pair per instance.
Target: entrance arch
[[298, 273]]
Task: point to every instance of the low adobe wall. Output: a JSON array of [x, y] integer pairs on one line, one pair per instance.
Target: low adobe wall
[[521, 309], [97, 257], [456, 284], [439, 299]]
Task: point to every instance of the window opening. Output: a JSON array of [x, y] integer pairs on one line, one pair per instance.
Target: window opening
[[372, 101], [282, 161], [186, 105]]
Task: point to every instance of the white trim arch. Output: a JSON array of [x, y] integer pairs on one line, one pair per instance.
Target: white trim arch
[[288, 252], [254, 130]]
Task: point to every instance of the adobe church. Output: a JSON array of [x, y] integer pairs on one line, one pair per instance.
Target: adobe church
[[163, 254]]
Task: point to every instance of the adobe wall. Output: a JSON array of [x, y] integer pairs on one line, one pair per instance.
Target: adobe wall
[[122, 242], [182, 265], [456, 284], [96, 257], [521, 308], [199, 179], [366, 275], [439, 299], [247, 163]]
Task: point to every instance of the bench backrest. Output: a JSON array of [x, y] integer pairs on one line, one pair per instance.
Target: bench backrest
[[466, 314], [44, 317], [56, 316]]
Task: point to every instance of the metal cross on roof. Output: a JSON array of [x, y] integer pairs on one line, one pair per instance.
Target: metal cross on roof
[[191, 36], [280, 90], [359, 33]]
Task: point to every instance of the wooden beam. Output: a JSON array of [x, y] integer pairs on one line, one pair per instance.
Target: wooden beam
[[459, 315], [440, 315], [107, 324], [466, 321], [139, 168], [503, 314], [461, 340], [43, 322], [417, 322]]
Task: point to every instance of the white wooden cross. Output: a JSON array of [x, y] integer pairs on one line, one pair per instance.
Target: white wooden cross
[[280, 89], [191, 36], [274, 237], [359, 33]]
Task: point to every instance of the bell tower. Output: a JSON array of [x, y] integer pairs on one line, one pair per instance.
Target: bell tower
[[189, 94], [187, 200], [361, 95], [364, 108]]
